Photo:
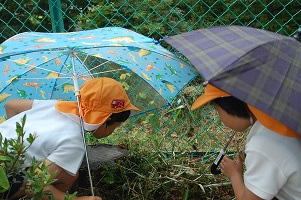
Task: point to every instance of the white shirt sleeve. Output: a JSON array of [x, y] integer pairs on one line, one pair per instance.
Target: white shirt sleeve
[[262, 176], [68, 155]]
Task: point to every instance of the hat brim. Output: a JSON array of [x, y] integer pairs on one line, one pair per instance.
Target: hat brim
[[211, 93], [202, 100], [89, 117]]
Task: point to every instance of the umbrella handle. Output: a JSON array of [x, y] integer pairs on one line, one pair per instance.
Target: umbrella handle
[[214, 167], [75, 84]]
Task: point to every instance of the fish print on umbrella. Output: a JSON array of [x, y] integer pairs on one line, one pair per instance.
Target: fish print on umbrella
[[41, 65]]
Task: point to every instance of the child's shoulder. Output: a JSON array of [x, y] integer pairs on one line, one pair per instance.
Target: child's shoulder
[[38, 102]]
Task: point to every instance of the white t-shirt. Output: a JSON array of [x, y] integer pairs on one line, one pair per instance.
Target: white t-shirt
[[273, 164], [59, 138]]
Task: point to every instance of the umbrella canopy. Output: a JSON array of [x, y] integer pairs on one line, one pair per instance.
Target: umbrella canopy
[[259, 67], [53, 65]]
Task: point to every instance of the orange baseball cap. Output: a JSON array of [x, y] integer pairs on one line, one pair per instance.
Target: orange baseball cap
[[210, 93], [99, 98]]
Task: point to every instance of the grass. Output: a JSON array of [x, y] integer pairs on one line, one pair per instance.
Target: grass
[[171, 152], [153, 175], [164, 163]]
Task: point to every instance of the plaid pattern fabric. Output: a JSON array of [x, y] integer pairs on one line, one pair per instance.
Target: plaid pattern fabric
[[256, 66]]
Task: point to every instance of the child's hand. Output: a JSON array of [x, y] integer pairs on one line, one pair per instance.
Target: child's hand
[[231, 168]]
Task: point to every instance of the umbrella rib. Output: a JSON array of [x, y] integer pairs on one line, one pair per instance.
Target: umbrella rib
[[114, 70], [113, 60], [37, 67], [83, 64], [88, 70]]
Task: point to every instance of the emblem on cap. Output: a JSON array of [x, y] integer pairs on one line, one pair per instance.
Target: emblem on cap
[[117, 103]]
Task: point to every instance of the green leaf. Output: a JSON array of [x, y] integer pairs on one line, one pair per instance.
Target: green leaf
[[4, 184], [31, 138], [122, 76], [23, 120], [5, 158], [125, 86], [142, 95], [109, 179], [70, 197]]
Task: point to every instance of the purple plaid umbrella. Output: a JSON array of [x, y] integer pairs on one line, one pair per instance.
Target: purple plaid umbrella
[[259, 67]]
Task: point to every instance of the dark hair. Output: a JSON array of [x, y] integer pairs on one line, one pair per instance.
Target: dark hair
[[233, 106], [119, 117]]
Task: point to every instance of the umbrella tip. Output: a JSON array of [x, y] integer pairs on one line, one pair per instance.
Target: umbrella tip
[[157, 41], [298, 35], [205, 83]]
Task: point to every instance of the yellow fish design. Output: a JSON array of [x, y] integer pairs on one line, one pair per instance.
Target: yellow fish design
[[133, 58], [169, 86], [2, 119], [45, 40], [46, 59], [22, 61], [42, 94], [68, 87], [91, 36], [11, 80], [126, 39], [160, 91], [146, 76], [143, 52], [52, 75], [4, 96], [16, 38], [98, 55]]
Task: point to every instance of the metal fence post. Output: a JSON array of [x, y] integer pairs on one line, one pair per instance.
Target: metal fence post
[[55, 8]]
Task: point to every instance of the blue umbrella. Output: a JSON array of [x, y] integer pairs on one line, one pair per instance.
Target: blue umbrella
[[54, 66], [50, 65]]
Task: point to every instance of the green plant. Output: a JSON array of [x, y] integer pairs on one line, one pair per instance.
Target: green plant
[[156, 175], [39, 181], [12, 157]]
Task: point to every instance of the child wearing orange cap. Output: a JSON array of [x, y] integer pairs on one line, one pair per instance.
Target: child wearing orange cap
[[273, 164], [104, 105]]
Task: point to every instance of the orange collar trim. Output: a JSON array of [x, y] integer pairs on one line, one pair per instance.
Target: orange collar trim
[[273, 124]]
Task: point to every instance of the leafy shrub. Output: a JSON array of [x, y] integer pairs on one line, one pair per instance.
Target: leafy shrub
[[12, 157]]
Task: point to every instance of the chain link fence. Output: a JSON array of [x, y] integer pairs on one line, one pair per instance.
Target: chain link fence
[[173, 130]]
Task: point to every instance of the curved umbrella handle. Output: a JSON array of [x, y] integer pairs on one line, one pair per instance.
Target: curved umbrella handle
[[214, 167], [220, 156]]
